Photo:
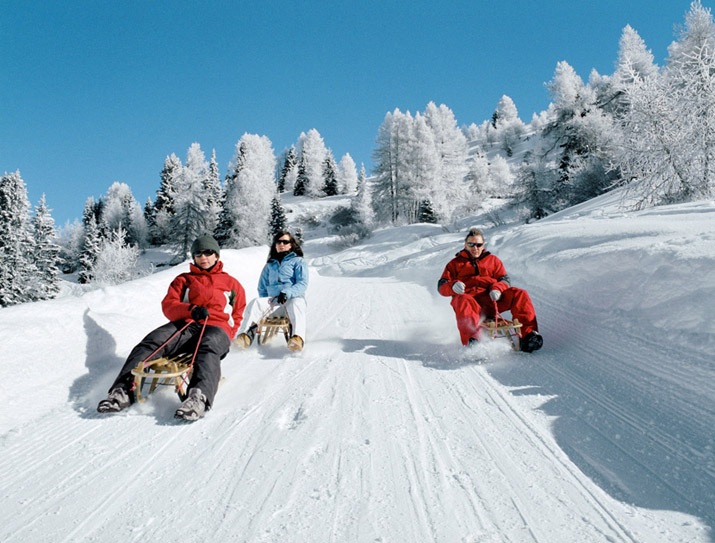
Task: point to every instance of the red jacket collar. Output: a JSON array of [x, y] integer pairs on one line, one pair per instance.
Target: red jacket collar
[[217, 268]]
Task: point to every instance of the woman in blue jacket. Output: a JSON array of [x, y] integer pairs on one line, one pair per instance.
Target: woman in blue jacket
[[283, 282]]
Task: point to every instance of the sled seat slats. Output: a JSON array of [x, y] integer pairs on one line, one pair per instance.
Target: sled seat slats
[[507, 328], [271, 326], [174, 371]]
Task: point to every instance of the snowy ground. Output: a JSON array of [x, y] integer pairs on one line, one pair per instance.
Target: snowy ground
[[385, 429]]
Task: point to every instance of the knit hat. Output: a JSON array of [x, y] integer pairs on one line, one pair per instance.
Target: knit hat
[[205, 243]]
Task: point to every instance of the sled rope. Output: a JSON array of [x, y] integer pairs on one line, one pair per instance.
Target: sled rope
[[191, 365]]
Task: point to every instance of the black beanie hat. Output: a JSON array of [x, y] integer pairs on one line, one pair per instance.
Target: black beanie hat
[[205, 243]]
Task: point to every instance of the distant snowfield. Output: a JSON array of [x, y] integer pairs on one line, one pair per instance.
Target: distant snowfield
[[384, 429]]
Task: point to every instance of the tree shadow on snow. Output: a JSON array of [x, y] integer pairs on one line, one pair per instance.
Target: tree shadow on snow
[[621, 439], [102, 365]]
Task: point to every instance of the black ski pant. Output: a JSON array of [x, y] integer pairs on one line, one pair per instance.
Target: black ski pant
[[215, 344]]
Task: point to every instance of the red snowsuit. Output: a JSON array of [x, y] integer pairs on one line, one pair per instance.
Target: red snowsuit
[[479, 277]]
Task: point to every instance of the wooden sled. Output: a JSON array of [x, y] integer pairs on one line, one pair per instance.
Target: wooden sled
[[272, 326], [174, 371], [505, 328]]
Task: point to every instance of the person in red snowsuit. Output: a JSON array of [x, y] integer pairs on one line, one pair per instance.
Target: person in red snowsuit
[[476, 279], [212, 302]]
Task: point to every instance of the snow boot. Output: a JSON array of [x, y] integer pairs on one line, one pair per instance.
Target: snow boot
[[193, 407], [532, 342], [244, 340], [473, 341], [117, 400], [295, 343]]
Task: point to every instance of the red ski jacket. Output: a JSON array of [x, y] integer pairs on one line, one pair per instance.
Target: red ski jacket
[[478, 275], [213, 289]]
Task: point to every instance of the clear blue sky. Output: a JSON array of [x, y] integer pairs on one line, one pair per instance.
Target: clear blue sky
[[93, 92]]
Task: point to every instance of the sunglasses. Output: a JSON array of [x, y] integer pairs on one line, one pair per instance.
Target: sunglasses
[[283, 242], [470, 244], [207, 252]]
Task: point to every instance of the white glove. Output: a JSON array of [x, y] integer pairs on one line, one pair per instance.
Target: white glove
[[494, 295], [458, 287]]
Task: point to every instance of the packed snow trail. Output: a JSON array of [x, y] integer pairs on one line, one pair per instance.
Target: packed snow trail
[[383, 429]]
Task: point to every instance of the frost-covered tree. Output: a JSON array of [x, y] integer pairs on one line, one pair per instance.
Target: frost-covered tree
[[289, 171], [669, 128], [278, 216], [509, 127], [347, 175], [164, 201], [46, 251], [121, 208], [18, 274], [92, 241], [214, 192], [301, 181], [330, 175], [249, 192], [313, 153], [116, 260], [361, 204], [70, 238]]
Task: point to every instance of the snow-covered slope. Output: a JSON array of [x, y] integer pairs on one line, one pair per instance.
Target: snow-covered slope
[[385, 428]]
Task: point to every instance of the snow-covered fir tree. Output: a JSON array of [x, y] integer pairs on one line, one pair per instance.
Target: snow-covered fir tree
[[509, 127], [116, 260], [301, 181], [92, 241], [278, 216], [18, 274], [669, 128], [313, 153], [46, 251], [249, 192], [121, 208], [289, 171], [347, 175], [330, 175], [214, 192], [164, 201], [362, 202]]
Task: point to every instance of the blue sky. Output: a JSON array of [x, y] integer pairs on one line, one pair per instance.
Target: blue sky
[[94, 92]]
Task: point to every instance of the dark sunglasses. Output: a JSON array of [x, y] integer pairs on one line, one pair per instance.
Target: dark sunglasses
[[470, 244], [207, 252], [283, 242]]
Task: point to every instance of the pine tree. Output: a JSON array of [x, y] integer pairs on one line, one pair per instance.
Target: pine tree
[[427, 213], [302, 181], [46, 253], [330, 177], [362, 203], [214, 192], [313, 154], [92, 241], [289, 171], [164, 201], [18, 274], [347, 175], [278, 216]]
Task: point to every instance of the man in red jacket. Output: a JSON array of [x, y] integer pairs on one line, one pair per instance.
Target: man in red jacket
[[476, 280], [205, 295]]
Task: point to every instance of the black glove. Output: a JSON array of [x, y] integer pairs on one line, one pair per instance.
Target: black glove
[[199, 313], [281, 298]]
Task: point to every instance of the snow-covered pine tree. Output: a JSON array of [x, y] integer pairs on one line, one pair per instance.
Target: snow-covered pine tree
[[347, 175], [191, 212], [18, 274], [361, 204], [302, 182], [121, 208], [212, 185], [289, 171], [313, 154], [249, 193], [116, 260], [669, 128], [427, 213], [164, 201], [509, 127], [278, 216], [92, 240], [450, 189], [330, 175], [46, 253]]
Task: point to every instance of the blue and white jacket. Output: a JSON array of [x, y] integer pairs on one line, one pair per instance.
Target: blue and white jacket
[[290, 275]]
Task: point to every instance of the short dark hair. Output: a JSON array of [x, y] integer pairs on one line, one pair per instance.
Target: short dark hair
[[294, 244]]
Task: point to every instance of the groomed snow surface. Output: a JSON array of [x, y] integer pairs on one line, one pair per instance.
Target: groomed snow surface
[[385, 429]]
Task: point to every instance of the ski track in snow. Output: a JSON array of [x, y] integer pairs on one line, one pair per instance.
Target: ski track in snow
[[381, 432]]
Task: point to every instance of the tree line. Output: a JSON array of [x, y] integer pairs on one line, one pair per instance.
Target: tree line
[[647, 128]]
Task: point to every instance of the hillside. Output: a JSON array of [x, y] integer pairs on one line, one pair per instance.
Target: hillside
[[384, 428]]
